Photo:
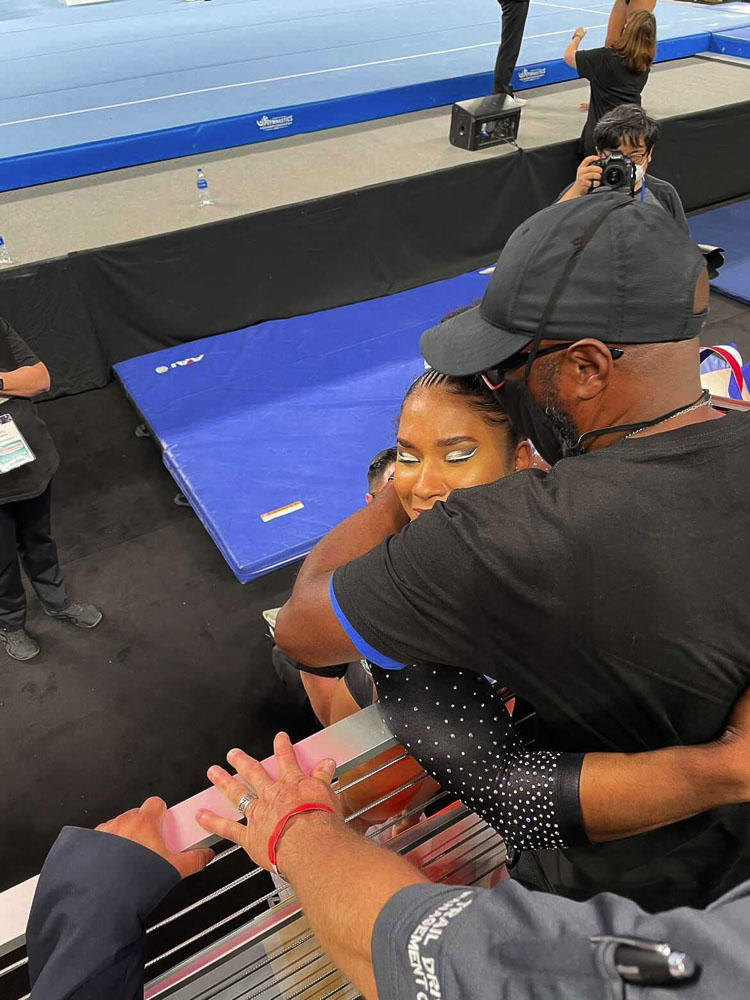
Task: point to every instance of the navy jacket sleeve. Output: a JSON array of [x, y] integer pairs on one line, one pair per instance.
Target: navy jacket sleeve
[[86, 938]]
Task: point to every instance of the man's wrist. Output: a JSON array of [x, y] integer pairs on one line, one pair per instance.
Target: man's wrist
[[725, 765], [295, 847]]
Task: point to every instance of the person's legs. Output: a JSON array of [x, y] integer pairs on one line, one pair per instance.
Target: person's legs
[[320, 692], [513, 23], [38, 551], [12, 594], [619, 15]]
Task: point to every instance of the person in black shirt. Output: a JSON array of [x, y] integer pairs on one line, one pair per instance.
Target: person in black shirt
[[28, 461], [618, 74], [585, 589], [628, 129], [515, 13]]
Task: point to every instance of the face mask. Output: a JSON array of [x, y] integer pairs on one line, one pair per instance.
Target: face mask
[[547, 435], [640, 172]]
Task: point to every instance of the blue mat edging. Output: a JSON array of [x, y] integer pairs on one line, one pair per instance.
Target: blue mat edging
[[224, 133], [732, 43]]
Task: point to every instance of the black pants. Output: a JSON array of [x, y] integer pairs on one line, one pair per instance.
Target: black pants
[[26, 535], [514, 21]]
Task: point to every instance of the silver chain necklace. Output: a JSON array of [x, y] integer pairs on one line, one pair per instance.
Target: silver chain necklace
[[703, 400]]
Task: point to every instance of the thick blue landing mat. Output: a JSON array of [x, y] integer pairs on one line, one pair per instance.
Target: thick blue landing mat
[[728, 227], [286, 411], [93, 88], [732, 43]]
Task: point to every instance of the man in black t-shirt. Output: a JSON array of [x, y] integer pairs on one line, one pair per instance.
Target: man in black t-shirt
[[587, 589], [629, 130], [28, 461]]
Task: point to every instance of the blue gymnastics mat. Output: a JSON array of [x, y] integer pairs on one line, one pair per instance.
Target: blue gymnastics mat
[[290, 411], [93, 88], [732, 43], [728, 227]]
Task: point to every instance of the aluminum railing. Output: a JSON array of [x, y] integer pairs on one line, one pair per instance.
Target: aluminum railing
[[236, 935]]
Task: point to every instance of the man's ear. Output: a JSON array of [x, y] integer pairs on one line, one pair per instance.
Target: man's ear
[[523, 456], [586, 368], [369, 498]]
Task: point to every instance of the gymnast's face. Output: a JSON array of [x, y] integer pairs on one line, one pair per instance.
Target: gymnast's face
[[445, 444]]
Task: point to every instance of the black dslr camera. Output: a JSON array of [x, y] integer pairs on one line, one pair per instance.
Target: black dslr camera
[[618, 171]]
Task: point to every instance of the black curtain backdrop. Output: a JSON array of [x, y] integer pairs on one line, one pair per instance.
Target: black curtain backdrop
[[46, 306], [90, 310]]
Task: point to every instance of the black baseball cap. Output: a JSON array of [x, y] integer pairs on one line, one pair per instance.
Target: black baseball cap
[[606, 266]]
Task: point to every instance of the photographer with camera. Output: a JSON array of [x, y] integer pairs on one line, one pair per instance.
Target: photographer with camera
[[625, 140]]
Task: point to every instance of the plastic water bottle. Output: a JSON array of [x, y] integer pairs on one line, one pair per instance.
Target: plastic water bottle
[[204, 198], [5, 257]]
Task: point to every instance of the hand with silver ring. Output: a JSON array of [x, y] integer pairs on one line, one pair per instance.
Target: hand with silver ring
[[275, 799], [245, 801]]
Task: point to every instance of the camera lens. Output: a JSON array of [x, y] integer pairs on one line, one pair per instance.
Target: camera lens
[[614, 177]]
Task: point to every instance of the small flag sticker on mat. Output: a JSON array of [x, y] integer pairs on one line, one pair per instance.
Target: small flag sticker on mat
[[290, 508]]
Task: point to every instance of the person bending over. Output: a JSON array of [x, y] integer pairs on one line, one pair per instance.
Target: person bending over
[[28, 461], [584, 590], [452, 434], [86, 931], [629, 130], [617, 75]]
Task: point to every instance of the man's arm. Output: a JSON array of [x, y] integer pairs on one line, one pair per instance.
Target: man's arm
[[85, 936], [28, 381], [342, 882], [307, 628], [623, 795], [30, 376], [588, 176]]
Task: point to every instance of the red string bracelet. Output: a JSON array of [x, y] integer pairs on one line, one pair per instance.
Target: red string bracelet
[[273, 840]]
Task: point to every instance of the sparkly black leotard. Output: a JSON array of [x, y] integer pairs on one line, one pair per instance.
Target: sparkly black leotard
[[454, 722]]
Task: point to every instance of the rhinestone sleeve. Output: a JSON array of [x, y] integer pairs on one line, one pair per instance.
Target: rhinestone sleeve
[[456, 725]]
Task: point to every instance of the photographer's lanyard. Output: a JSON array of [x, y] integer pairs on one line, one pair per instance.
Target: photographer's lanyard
[[643, 190]]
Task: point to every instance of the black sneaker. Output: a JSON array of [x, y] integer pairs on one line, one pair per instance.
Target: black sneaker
[[19, 644], [81, 615]]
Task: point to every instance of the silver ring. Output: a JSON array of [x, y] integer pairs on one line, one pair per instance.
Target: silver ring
[[245, 801]]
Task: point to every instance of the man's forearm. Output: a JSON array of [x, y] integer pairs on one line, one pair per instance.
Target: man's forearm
[[25, 382], [342, 884], [360, 532], [306, 628], [626, 794]]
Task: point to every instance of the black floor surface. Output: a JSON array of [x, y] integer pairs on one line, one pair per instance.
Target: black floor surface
[[177, 673], [179, 670]]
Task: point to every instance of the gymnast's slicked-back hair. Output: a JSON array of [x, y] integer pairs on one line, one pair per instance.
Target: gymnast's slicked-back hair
[[473, 390], [469, 387]]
